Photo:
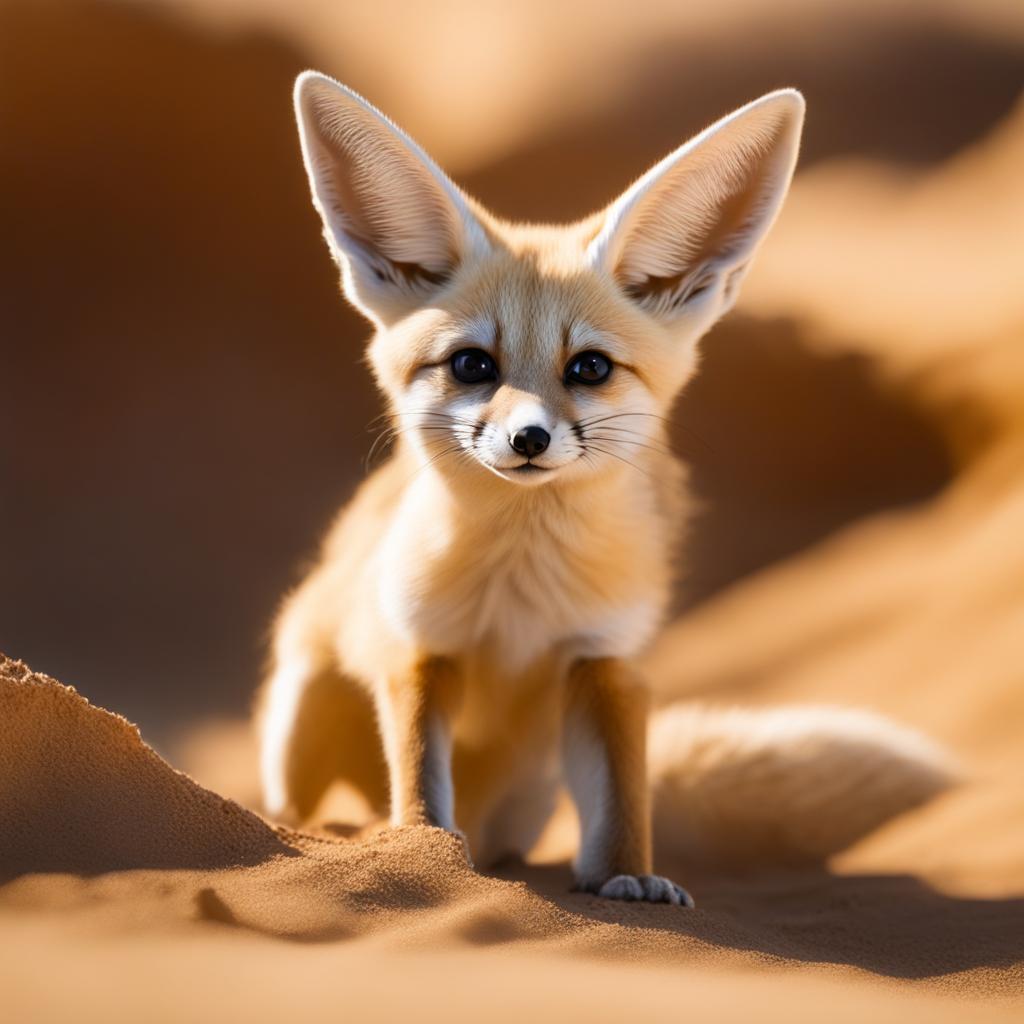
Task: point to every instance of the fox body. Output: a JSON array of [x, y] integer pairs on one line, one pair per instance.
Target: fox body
[[465, 644]]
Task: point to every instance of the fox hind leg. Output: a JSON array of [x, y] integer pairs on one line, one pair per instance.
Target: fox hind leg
[[316, 727]]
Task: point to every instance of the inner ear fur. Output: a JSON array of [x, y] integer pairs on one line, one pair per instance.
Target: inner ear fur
[[396, 224], [695, 220]]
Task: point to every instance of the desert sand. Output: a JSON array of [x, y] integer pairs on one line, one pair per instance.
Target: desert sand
[[131, 891], [857, 439]]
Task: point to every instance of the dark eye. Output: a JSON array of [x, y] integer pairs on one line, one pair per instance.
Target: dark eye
[[588, 368], [473, 365]]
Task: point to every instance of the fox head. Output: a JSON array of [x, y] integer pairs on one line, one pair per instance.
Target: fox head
[[539, 354]]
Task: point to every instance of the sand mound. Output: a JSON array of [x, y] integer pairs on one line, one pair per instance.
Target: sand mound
[[80, 791], [81, 794]]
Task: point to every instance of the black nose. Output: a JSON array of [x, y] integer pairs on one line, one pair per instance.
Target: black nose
[[531, 441]]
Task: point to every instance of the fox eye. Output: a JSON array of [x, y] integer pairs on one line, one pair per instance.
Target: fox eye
[[473, 365], [588, 368]]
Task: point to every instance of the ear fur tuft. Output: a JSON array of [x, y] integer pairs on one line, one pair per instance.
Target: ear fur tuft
[[396, 224], [689, 227]]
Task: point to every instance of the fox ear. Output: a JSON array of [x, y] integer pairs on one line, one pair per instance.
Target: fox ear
[[681, 238], [394, 222]]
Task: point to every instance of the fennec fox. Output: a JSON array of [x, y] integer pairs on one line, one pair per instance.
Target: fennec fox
[[477, 606]]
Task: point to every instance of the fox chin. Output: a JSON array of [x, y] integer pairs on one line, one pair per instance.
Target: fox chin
[[465, 645]]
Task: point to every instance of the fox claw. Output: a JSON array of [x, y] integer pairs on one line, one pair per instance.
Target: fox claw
[[649, 888]]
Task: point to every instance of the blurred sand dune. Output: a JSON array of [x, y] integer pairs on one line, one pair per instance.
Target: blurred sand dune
[[205, 410], [921, 266], [920, 609], [492, 81]]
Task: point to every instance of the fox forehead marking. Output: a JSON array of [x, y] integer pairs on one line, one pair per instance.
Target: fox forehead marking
[[483, 331]]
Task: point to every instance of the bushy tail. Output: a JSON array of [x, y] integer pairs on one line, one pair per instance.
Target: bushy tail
[[784, 786]]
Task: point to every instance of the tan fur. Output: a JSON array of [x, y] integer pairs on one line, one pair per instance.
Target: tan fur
[[782, 786], [486, 604]]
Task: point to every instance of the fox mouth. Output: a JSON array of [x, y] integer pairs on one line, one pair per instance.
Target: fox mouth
[[525, 473]]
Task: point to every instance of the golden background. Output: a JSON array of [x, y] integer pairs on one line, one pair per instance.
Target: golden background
[[184, 404]]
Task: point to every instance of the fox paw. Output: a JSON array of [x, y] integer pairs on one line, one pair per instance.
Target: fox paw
[[649, 888]]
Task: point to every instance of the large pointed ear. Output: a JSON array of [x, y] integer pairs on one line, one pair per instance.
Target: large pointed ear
[[394, 222], [681, 238]]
